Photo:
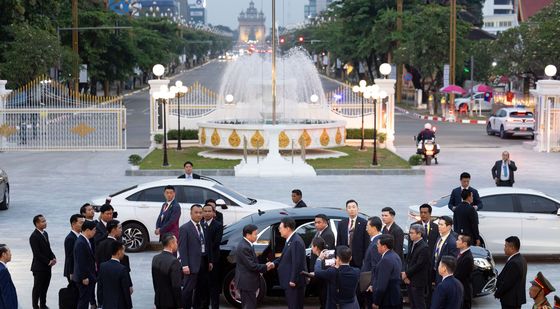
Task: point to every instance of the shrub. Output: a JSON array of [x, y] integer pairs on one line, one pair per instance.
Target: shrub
[[158, 138], [368, 134], [415, 159], [134, 159], [185, 134]]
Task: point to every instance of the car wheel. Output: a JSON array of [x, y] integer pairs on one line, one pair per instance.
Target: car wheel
[[135, 237], [502, 132], [231, 293], [6, 201], [489, 129], [428, 160]]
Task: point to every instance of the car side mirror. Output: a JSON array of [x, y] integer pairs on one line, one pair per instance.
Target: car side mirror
[[224, 206]]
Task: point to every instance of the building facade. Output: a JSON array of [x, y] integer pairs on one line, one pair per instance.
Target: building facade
[[499, 15], [251, 25], [315, 8]]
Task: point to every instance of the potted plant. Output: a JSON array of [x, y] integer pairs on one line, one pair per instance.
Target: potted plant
[[134, 161], [381, 138]]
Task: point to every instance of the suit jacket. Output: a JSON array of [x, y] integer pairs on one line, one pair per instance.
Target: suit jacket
[[214, 233], [341, 283], [449, 247], [100, 232], [84, 261], [300, 204], [291, 263], [497, 171], [219, 216], [247, 267], [431, 237], [398, 235], [455, 198], [194, 176], [42, 253], [372, 259], [166, 278], [168, 221], [448, 294], [8, 295], [418, 264], [360, 240], [465, 220], [387, 282], [190, 247], [69, 242], [113, 286], [103, 253], [463, 272], [328, 237], [510, 285]]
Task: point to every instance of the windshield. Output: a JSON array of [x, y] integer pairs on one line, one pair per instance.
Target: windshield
[[123, 191], [233, 194]]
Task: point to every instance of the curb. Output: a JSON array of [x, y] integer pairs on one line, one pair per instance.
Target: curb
[[320, 172], [438, 118]]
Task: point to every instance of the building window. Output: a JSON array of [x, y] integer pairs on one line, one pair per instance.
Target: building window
[[489, 24], [502, 12], [502, 2], [505, 24]]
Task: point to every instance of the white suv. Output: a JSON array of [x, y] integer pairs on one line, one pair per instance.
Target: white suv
[[138, 207], [478, 100], [511, 122]]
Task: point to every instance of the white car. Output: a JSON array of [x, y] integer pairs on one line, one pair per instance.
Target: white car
[[511, 121], [138, 207], [478, 100], [531, 215]]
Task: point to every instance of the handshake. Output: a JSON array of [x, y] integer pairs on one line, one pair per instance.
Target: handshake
[[269, 266]]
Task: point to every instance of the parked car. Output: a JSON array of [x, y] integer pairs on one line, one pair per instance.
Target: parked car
[[269, 246], [511, 122], [4, 190], [138, 206], [478, 101], [531, 215]]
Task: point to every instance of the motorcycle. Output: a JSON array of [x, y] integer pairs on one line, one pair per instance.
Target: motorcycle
[[428, 149]]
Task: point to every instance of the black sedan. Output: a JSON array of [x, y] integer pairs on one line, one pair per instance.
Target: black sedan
[[4, 191]]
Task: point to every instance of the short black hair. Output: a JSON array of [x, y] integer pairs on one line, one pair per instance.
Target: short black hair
[[167, 238], [426, 206], [387, 240], [289, 223], [375, 222], [319, 242], [465, 175], [106, 207], [88, 225], [111, 225], [351, 201], [514, 242], [210, 200], [322, 217], [188, 162], [465, 193], [168, 187], [249, 229], [195, 205], [466, 239], [209, 205], [37, 218], [83, 208], [75, 217], [449, 262], [448, 220], [3, 249], [297, 192], [390, 210], [116, 246], [344, 253]]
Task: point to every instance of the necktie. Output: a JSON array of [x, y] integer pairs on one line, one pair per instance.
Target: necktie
[[165, 207], [201, 235], [426, 229], [351, 233], [438, 247], [505, 170]]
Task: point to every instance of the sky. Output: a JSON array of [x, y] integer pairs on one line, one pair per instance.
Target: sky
[[225, 12]]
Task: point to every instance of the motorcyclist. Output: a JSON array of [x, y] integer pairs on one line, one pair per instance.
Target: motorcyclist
[[426, 134]]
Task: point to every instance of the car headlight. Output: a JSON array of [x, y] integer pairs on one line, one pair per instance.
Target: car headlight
[[482, 263]]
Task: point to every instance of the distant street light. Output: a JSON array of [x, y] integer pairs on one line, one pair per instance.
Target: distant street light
[[314, 98], [229, 98], [361, 89], [162, 96], [179, 89], [550, 71]]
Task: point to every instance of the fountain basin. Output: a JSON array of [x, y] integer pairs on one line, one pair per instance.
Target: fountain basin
[[313, 133]]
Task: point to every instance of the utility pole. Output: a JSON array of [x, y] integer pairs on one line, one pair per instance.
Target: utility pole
[[76, 73], [472, 85], [452, 48], [399, 66]]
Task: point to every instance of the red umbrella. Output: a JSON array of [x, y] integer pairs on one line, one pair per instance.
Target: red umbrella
[[484, 88], [453, 89]]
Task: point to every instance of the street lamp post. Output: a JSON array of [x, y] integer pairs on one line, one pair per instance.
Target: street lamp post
[[179, 89], [356, 89], [162, 96]]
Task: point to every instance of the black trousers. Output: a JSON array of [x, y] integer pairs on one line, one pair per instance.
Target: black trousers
[[417, 296], [189, 285], [501, 183], [248, 299], [87, 293], [202, 290], [295, 296], [41, 282]]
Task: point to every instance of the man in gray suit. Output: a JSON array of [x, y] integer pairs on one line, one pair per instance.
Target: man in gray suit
[[192, 252], [248, 269]]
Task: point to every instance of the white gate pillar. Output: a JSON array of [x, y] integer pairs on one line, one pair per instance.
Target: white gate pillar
[[3, 94], [155, 123], [548, 98], [388, 85]]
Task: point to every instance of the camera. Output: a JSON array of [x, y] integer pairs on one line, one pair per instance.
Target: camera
[[330, 257]]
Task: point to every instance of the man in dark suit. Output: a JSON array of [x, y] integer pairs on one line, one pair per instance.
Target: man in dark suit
[[465, 218], [465, 267], [317, 246], [431, 233], [387, 282], [325, 232], [510, 285], [352, 232], [417, 271], [341, 279], [76, 222], [291, 263], [455, 197], [43, 261], [372, 257], [169, 215], [114, 286], [449, 293], [503, 170], [8, 294], [215, 204], [192, 253], [105, 215], [445, 245], [392, 228], [166, 275], [247, 268], [296, 198], [87, 211], [104, 250], [84, 265], [188, 175]]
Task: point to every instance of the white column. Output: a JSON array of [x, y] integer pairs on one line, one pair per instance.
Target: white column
[[388, 85], [155, 85], [545, 89], [3, 94]]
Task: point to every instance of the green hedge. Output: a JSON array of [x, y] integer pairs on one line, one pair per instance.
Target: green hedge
[[415, 159], [172, 135], [368, 134]]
